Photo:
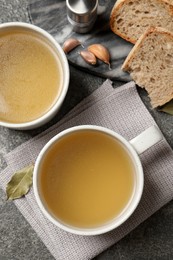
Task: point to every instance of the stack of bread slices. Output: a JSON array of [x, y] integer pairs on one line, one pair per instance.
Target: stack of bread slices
[[149, 25]]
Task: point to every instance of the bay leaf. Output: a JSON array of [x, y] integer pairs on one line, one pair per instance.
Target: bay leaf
[[167, 108], [20, 183]]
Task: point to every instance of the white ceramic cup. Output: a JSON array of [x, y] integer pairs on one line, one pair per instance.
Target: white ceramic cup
[[65, 68], [136, 146]]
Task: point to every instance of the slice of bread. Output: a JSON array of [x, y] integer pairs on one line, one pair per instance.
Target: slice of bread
[[150, 64], [130, 18]]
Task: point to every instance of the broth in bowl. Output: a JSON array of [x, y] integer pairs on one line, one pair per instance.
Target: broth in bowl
[[31, 76], [87, 179]]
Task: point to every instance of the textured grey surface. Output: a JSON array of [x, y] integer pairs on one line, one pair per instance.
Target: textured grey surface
[[151, 240], [51, 16]]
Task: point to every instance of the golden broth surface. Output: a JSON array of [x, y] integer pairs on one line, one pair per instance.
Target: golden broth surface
[[30, 76], [86, 179]]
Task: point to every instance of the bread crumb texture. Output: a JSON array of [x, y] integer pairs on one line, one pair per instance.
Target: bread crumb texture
[[130, 18], [150, 64]]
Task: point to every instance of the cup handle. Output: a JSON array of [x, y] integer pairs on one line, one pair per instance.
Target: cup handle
[[146, 139]]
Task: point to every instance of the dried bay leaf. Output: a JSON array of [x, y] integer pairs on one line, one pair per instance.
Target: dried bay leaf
[[167, 108], [20, 183]]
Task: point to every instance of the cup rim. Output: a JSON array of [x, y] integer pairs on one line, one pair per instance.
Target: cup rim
[[108, 226], [65, 85]]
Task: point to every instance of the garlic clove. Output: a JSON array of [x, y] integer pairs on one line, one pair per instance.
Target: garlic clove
[[70, 44], [89, 57], [101, 52]]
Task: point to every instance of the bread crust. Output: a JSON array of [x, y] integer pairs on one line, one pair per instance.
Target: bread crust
[[118, 5]]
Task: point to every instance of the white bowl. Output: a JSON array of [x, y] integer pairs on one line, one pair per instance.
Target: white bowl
[[66, 76]]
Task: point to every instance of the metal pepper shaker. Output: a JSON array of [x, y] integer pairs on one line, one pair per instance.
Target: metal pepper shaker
[[82, 14]]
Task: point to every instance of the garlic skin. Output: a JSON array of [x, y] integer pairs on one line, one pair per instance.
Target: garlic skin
[[70, 44], [89, 57], [101, 52]]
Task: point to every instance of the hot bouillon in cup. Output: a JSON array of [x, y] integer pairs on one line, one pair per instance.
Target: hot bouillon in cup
[[89, 179], [86, 178]]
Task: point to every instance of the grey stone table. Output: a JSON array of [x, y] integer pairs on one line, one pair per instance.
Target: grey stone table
[[151, 240]]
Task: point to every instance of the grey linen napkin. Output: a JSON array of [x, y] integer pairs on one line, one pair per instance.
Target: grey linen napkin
[[121, 110]]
